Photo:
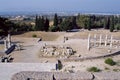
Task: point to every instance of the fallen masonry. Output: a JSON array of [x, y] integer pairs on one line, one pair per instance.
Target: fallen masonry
[[49, 50]]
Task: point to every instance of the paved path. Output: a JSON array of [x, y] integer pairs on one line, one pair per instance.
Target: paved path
[[7, 70]]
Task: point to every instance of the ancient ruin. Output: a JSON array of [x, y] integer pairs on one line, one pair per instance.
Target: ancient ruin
[[52, 50], [76, 53], [65, 76], [102, 41]]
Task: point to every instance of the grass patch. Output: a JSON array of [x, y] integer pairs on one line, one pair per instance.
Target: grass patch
[[110, 61], [34, 35], [93, 69], [106, 68], [59, 65], [116, 70]]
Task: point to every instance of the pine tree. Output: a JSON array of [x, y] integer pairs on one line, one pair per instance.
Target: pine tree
[[89, 24], [66, 25]]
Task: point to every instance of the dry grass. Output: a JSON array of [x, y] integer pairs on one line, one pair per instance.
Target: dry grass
[[51, 36], [51, 23], [46, 36], [84, 34], [78, 45], [1, 47]]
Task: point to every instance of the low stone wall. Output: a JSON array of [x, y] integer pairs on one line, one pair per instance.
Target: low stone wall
[[107, 76], [66, 76], [91, 58], [52, 76]]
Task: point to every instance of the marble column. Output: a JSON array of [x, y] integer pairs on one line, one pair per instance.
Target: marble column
[[95, 39], [5, 45], [88, 46], [100, 43], [64, 40], [106, 40], [111, 41], [9, 40]]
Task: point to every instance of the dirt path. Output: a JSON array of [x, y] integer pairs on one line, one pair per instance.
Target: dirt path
[[30, 47]]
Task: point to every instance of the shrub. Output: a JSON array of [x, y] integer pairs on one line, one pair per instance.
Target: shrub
[[106, 68], [117, 26], [34, 35], [93, 69], [59, 65], [116, 70], [110, 62], [111, 28], [54, 29]]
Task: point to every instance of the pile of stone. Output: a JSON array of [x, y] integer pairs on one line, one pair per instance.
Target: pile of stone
[[49, 50], [7, 58]]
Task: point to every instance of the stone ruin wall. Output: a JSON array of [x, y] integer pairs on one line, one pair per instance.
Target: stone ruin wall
[[66, 76]]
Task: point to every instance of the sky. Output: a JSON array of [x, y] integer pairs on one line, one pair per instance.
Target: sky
[[60, 5]]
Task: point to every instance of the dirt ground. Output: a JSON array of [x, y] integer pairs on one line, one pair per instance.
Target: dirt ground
[[78, 41], [1, 47]]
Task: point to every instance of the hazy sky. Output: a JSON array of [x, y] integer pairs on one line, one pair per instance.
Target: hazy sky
[[60, 5]]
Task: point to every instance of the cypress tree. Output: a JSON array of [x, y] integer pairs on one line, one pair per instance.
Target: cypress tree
[[42, 24], [108, 23], [89, 23], [112, 24], [39, 23], [36, 23], [55, 20], [105, 23], [46, 26]]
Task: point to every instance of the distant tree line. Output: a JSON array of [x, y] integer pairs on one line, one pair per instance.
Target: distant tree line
[[59, 23], [99, 21], [7, 26], [81, 21], [62, 23]]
